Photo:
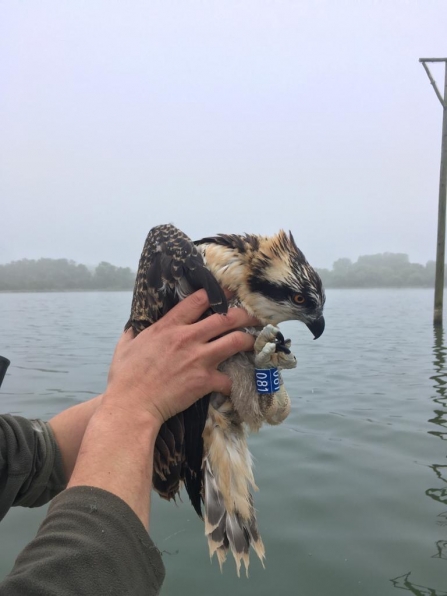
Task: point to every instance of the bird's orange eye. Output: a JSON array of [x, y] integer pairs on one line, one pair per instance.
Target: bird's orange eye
[[299, 299]]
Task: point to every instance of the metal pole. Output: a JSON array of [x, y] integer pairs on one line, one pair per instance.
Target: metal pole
[[440, 247]]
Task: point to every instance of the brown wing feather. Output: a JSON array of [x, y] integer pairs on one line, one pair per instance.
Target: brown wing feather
[[171, 268]]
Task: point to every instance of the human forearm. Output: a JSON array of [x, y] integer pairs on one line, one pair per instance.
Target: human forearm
[[117, 454], [69, 427]]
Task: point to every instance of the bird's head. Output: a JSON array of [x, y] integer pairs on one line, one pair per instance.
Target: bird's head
[[283, 286]]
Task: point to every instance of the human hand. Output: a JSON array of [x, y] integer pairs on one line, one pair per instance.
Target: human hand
[[167, 367]]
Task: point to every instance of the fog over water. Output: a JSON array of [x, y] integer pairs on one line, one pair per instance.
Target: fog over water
[[219, 117]]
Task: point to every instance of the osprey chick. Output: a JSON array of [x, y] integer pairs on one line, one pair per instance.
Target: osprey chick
[[205, 446]]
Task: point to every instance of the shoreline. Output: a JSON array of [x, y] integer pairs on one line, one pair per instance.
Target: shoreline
[[79, 291], [64, 291]]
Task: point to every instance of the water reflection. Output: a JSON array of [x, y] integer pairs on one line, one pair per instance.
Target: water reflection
[[443, 519], [438, 494], [403, 583], [441, 546], [440, 419], [440, 385]]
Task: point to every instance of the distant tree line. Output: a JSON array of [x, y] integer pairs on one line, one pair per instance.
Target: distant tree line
[[62, 274], [386, 270], [370, 271]]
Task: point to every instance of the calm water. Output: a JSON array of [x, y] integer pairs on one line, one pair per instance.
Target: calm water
[[353, 486]]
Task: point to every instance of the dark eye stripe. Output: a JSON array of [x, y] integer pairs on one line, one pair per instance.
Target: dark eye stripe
[[281, 293], [265, 287], [274, 291]]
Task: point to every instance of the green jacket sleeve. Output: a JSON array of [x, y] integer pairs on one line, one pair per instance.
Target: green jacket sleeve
[[90, 542], [31, 470]]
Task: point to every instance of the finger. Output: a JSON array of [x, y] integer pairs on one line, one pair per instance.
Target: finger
[[128, 335], [221, 383], [125, 337], [188, 310], [217, 325], [224, 347]]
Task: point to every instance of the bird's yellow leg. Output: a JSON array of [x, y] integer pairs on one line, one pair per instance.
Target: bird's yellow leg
[[275, 407]]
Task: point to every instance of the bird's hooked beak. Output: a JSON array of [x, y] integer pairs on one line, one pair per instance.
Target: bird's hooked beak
[[317, 327]]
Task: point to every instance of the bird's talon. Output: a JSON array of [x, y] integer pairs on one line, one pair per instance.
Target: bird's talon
[[279, 337], [282, 348], [282, 345], [272, 350]]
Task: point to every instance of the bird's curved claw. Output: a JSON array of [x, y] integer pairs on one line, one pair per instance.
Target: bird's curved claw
[[283, 349], [272, 349], [281, 343], [280, 336]]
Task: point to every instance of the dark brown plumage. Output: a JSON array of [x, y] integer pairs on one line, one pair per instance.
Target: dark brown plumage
[[170, 269]]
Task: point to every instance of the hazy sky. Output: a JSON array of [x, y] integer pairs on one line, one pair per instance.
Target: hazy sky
[[219, 116]]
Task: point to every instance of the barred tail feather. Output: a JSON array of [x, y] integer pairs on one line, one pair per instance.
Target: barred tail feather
[[230, 520]]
